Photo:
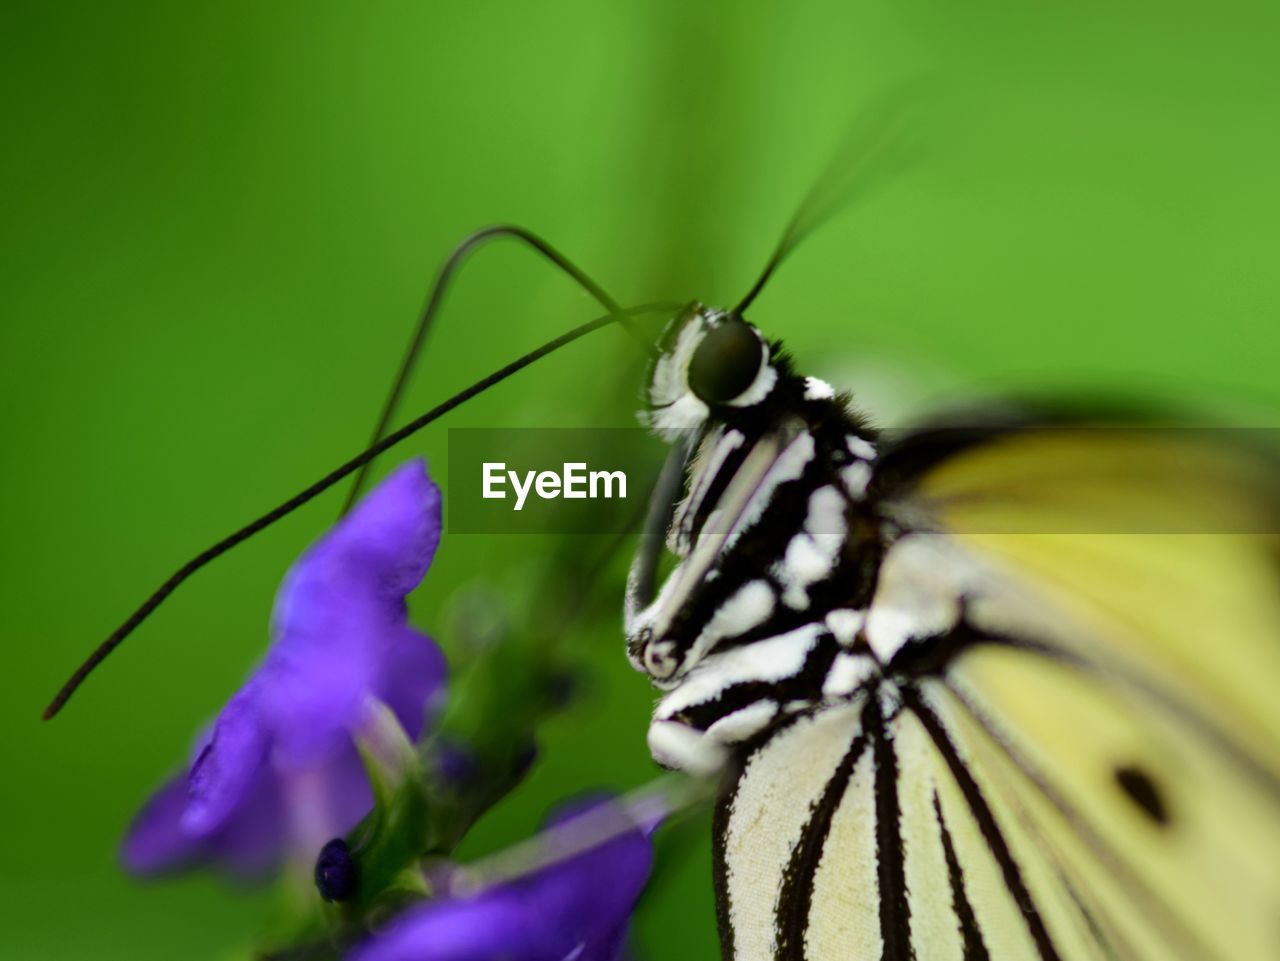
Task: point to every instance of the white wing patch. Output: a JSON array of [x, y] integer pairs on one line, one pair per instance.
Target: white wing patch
[[998, 918], [848, 672], [935, 928], [844, 920], [856, 477], [922, 579], [844, 623], [781, 782], [860, 447], [986, 871]]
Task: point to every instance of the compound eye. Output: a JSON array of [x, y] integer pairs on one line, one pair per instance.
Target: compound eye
[[726, 362]]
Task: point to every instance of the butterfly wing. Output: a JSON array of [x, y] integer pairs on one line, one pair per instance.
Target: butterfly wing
[[1158, 544], [1086, 766], [857, 834]]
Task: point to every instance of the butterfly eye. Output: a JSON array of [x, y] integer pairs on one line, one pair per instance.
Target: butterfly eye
[[726, 362]]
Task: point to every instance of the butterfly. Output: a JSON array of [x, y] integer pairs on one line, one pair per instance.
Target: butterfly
[[999, 690], [999, 687]]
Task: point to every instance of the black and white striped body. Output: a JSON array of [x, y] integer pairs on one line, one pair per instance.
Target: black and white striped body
[[929, 754], [778, 548], [798, 626]]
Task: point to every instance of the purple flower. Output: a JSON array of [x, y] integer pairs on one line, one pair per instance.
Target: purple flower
[[576, 909], [279, 771]]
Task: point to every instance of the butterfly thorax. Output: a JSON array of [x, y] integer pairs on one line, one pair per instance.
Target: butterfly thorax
[[776, 537]]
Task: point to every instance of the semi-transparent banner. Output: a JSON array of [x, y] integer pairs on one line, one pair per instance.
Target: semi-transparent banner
[[971, 480]]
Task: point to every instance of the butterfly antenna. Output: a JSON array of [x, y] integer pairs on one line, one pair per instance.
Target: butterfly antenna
[[435, 298], [175, 580], [873, 146]]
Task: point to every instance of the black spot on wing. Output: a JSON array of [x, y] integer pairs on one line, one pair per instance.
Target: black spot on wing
[[1167, 922], [1141, 788], [975, 948], [1117, 673], [987, 825]]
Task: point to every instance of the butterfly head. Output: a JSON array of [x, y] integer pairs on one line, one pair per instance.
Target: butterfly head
[[710, 361]]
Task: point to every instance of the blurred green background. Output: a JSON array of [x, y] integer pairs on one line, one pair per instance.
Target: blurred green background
[[219, 221]]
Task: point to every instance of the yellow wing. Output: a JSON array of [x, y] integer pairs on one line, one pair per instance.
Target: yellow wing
[[1083, 766], [1136, 738]]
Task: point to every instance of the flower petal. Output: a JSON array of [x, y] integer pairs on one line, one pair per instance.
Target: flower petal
[[611, 947], [340, 616], [413, 678], [229, 767], [326, 801], [155, 842], [247, 844], [279, 765], [251, 842], [580, 904]]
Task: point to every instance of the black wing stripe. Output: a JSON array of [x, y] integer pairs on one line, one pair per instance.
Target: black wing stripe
[[932, 659], [891, 864], [944, 650], [1101, 928], [796, 898], [975, 948], [1177, 935], [1098, 932], [720, 872], [1266, 779], [987, 824]]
